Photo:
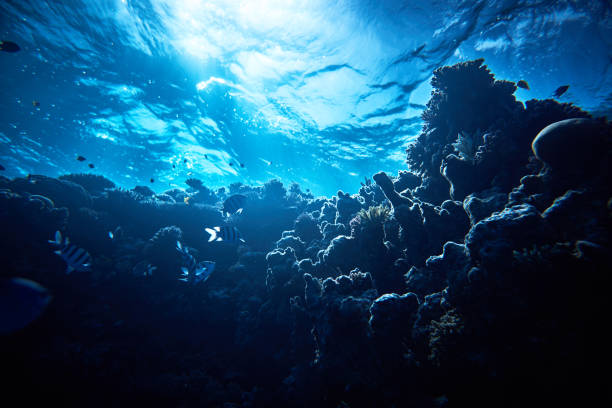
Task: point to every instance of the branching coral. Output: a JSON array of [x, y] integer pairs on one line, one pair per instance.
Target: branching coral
[[467, 144]]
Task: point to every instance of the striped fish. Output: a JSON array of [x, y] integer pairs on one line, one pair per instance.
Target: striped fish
[[194, 272], [76, 258], [234, 204], [227, 234]]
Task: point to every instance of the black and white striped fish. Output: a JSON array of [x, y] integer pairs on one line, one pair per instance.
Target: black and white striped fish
[[234, 204], [227, 234], [76, 258], [194, 272]]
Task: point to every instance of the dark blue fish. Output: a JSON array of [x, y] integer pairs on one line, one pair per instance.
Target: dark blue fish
[[234, 204], [194, 272], [76, 258], [523, 84], [227, 234], [9, 46], [560, 91], [21, 301]]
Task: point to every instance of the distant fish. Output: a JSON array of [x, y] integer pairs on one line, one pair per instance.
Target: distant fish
[[35, 104], [185, 161], [2, 167], [227, 234], [80, 158], [152, 180], [174, 166], [76, 258], [206, 156], [144, 269], [231, 164], [116, 234], [9, 46], [187, 200], [560, 91], [241, 164], [192, 271], [91, 165], [234, 204], [21, 302], [523, 84]]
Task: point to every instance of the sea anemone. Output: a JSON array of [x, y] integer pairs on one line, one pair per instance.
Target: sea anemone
[[373, 216]]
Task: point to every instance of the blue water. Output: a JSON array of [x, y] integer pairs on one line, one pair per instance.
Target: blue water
[[322, 93]]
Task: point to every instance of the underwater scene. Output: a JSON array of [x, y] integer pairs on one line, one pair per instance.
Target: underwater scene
[[291, 203]]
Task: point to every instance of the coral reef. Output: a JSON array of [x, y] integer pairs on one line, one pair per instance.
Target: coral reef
[[95, 184], [480, 270]]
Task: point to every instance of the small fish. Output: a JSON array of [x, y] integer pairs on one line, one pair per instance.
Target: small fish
[[174, 166], [81, 158], [560, 91], [152, 180], [76, 258], [116, 234], [187, 257], [35, 104], [200, 273], [9, 46], [234, 204], [227, 234], [186, 200], [91, 165], [241, 164], [149, 269], [21, 302], [144, 269], [231, 164], [185, 161], [523, 84], [193, 272], [203, 271], [206, 156], [2, 168]]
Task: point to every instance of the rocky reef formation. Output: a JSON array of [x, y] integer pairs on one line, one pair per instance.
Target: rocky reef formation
[[477, 277]]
